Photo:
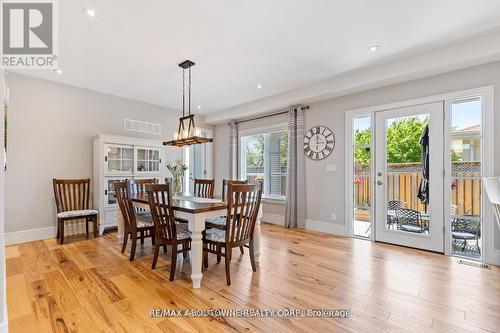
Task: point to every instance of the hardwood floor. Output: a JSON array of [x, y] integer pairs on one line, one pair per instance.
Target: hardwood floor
[[89, 286]]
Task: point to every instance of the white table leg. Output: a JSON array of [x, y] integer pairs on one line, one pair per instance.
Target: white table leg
[[256, 236], [196, 224]]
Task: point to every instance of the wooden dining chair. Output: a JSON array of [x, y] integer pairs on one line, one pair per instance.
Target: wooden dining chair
[[139, 186], [72, 198], [204, 188], [133, 222], [243, 202], [167, 231], [220, 222]]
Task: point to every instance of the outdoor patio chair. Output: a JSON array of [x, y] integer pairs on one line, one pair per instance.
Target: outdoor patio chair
[[466, 230], [409, 220]]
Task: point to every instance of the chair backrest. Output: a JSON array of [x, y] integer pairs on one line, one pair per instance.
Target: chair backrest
[[159, 197], [126, 206], [243, 203], [465, 225], [408, 216], [71, 194], [396, 204], [139, 185], [204, 188], [225, 184], [168, 180]]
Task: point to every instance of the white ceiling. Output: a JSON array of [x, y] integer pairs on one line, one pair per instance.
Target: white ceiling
[[132, 48]]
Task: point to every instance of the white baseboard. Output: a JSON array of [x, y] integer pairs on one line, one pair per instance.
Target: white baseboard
[[24, 236], [4, 327], [330, 228], [273, 219], [495, 258]]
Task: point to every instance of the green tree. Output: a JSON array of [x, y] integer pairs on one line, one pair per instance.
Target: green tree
[[284, 149], [403, 141], [255, 152]]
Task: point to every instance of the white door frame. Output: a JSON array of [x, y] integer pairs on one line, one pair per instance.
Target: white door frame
[[434, 240], [490, 255], [206, 156]]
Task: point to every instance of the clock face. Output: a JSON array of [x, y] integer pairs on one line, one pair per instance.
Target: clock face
[[319, 142]]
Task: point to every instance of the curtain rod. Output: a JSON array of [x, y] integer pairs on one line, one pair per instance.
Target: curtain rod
[[307, 107]]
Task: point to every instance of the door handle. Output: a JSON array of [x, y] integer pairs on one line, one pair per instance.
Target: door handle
[[379, 182], [379, 173]]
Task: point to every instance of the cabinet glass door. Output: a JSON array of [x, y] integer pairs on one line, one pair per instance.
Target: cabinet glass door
[[109, 191], [148, 160], [120, 159]]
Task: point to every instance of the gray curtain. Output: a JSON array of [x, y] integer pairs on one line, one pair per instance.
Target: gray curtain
[[233, 150], [296, 187]]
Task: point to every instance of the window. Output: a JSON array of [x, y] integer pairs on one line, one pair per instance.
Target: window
[[362, 190], [466, 172], [264, 158]]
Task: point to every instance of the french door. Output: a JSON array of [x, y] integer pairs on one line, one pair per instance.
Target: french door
[[409, 186], [198, 159]]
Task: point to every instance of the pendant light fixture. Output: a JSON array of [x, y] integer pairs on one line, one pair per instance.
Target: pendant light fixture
[[187, 133]]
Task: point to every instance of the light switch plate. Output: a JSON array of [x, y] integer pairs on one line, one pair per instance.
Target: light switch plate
[[331, 168]]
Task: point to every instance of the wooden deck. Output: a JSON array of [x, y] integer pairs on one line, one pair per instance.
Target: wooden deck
[[89, 286]]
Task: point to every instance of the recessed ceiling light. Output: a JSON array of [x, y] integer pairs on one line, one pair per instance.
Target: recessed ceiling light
[[199, 107], [259, 86], [374, 48], [89, 12], [58, 71]]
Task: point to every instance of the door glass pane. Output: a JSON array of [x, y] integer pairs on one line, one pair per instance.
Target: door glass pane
[[114, 165], [362, 177], [127, 165], [465, 210], [407, 173], [128, 153], [141, 154], [111, 191], [114, 153]]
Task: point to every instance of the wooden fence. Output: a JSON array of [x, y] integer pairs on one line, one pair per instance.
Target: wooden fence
[[403, 181]]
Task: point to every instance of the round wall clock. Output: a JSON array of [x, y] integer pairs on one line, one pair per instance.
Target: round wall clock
[[319, 142]]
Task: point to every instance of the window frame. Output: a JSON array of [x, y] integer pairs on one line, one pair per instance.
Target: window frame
[[266, 131]]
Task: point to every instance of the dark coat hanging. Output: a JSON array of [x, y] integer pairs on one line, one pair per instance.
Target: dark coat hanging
[[423, 191]]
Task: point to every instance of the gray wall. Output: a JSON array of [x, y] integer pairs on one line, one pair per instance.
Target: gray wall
[[3, 297], [50, 132], [326, 191]]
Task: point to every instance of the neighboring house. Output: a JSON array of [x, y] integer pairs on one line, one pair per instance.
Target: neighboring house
[[466, 143]]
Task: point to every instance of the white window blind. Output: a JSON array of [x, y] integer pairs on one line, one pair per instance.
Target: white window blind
[[264, 158]]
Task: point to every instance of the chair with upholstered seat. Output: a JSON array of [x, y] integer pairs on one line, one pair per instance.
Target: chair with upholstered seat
[[220, 222], [72, 198], [167, 231], [243, 202], [139, 186], [133, 221]]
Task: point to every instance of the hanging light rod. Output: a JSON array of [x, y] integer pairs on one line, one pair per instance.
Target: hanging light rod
[[187, 135]]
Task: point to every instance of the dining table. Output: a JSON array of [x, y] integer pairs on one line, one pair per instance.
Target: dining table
[[196, 211]]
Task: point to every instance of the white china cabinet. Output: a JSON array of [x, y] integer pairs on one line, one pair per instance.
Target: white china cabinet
[[117, 158]]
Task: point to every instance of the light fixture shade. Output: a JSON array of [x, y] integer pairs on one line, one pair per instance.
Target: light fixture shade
[[187, 135]]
